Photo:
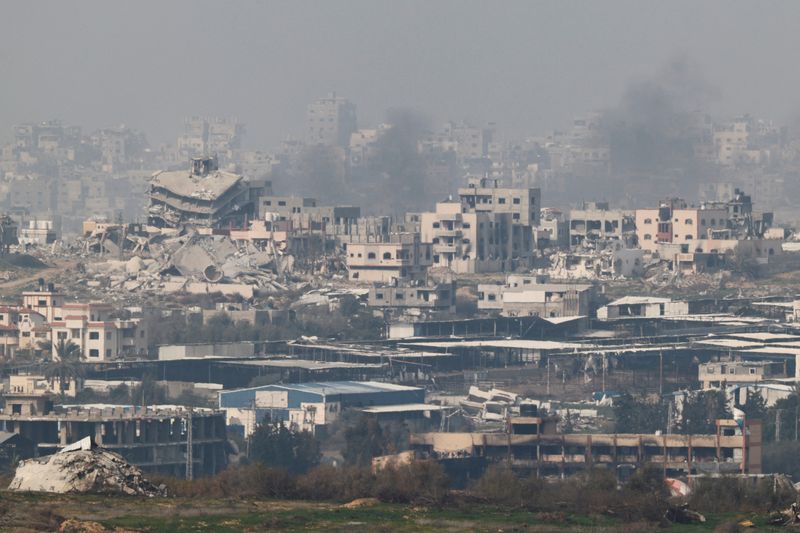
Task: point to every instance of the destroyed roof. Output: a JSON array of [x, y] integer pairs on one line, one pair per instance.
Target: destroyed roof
[[405, 408], [518, 344], [638, 300], [184, 183], [335, 387], [765, 336]]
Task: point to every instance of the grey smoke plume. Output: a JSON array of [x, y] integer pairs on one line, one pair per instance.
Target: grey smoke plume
[[397, 174], [654, 127]]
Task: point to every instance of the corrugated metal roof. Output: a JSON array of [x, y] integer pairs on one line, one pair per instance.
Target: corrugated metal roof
[[332, 387]]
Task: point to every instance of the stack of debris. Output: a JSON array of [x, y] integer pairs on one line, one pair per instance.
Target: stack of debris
[[195, 263], [83, 468]]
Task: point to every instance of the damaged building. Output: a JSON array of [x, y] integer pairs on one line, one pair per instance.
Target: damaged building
[[531, 443], [535, 296], [154, 438], [203, 196]]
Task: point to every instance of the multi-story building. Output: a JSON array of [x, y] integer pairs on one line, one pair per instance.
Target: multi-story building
[[98, 333], [531, 443], [484, 195], [382, 262], [596, 221], [203, 196], [470, 142], [674, 222], [532, 296], [205, 136], [476, 241], [413, 296], [154, 438], [331, 121], [45, 301], [722, 373]]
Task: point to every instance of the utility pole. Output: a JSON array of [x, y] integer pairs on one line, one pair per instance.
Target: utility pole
[[660, 373], [189, 454], [548, 376], [669, 418], [604, 372]]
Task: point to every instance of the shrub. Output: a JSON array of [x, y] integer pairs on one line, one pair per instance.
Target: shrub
[[420, 481]]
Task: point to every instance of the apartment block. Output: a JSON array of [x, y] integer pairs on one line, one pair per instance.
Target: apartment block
[[101, 336], [595, 220], [723, 373], [532, 296], [382, 262], [413, 296], [331, 121], [475, 241], [484, 195]]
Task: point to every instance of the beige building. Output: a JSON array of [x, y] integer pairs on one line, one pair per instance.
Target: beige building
[[684, 225], [719, 374], [413, 296], [469, 242], [484, 195], [382, 262], [330, 121], [596, 221], [98, 333], [530, 296], [528, 444]]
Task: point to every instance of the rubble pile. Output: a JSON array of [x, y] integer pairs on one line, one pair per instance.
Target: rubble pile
[[182, 261], [82, 468]]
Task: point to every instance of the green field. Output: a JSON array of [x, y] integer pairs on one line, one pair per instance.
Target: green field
[[39, 512]]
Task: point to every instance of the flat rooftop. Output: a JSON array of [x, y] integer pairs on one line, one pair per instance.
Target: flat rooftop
[[334, 387], [184, 183]]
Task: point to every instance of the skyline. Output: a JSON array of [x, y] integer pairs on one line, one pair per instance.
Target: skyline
[[503, 65]]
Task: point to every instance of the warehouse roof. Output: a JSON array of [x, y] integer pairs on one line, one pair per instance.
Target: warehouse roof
[[335, 387]]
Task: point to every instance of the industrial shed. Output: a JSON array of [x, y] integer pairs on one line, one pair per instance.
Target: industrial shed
[[346, 393]]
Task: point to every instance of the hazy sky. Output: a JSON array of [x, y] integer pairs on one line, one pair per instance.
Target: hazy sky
[[529, 66]]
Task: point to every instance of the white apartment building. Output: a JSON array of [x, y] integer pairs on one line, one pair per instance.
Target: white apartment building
[[468, 242], [100, 336]]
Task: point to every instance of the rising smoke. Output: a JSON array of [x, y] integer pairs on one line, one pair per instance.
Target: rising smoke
[[656, 125]]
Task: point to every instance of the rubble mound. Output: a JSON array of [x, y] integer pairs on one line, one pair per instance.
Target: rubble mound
[[82, 468]]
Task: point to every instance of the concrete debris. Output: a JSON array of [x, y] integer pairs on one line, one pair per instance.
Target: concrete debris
[[82, 468], [787, 517], [126, 259], [681, 514], [359, 503]]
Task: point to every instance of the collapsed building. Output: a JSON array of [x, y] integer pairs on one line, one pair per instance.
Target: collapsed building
[[204, 196]]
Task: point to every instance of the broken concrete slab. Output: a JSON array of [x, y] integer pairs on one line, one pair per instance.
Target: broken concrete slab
[[82, 468]]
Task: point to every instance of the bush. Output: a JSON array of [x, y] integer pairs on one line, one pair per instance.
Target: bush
[[419, 481], [499, 485], [729, 494], [331, 483], [251, 481]]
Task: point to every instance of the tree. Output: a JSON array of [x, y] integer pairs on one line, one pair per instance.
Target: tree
[[637, 415], [756, 407], [363, 441], [65, 365], [700, 412], [148, 392], [275, 445]]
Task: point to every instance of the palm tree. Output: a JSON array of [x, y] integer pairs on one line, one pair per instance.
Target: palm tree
[[66, 363]]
